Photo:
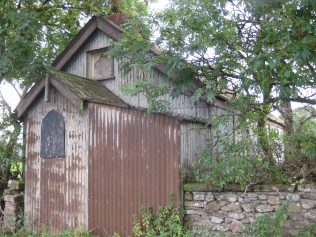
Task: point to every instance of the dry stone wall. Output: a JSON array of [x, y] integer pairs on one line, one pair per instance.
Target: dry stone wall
[[231, 210], [13, 207]]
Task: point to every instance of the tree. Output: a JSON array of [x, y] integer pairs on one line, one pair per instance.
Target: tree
[[262, 54], [32, 34]]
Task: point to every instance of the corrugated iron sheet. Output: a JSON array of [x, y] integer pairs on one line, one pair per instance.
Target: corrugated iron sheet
[[56, 190], [133, 161], [53, 202]]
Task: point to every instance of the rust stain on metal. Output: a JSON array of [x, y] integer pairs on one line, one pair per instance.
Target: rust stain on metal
[[56, 188], [134, 161], [116, 160], [53, 201]]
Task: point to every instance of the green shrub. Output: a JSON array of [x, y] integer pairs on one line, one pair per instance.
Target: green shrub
[[166, 222], [309, 231], [235, 164], [237, 157], [268, 225]]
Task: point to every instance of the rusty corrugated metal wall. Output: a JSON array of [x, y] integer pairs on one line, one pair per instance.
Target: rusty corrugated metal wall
[[133, 161], [56, 190]]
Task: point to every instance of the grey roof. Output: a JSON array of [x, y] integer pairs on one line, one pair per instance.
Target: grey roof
[[76, 89], [87, 89]]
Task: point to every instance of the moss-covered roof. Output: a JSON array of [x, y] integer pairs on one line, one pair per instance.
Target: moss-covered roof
[[88, 90]]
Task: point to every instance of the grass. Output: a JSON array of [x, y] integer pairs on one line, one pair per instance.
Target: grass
[[44, 233]]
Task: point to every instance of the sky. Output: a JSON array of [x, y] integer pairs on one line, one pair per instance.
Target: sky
[[9, 94]]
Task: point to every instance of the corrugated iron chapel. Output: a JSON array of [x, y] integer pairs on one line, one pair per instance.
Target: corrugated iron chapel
[[94, 155]]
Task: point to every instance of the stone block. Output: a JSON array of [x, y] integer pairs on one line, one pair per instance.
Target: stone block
[[247, 207], [241, 200], [311, 195], [221, 197], [197, 204], [188, 196], [236, 215], [232, 207], [296, 216], [216, 220], [233, 188], [300, 224], [192, 218], [264, 208], [290, 232], [192, 212], [274, 200], [221, 214], [231, 197], [311, 215], [14, 198], [205, 223], [293, 197], [308, 204], [223, 203], [295, 208], [252, 195], [199, 196], [273, 188], [245, 221], [213, 206], [282, 196], [237, 226], [16, 185], [209, 197], [306, 188], [219, 227], [262, 196]]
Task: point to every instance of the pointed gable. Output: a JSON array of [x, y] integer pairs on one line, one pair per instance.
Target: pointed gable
[[95, 23], [76, 89]]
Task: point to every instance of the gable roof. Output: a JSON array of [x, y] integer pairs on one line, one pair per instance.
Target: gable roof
[[76, 89], [108, 27]]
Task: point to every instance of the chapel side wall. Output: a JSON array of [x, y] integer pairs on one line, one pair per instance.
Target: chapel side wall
[[72, 169], [195, 139]]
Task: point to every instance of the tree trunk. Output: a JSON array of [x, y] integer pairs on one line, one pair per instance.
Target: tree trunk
[[262, 134], [287, 115]]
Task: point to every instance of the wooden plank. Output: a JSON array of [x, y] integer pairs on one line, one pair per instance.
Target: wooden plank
[[75, 44], [63, 89], [109, 28], [29, 98]]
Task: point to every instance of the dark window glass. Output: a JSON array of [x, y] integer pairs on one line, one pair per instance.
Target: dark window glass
[[53, 135]]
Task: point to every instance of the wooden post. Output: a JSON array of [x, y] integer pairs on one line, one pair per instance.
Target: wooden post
[[47, 92]]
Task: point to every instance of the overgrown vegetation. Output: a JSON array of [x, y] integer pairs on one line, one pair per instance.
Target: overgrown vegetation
[[44, 233], [268, 224], [237, 156], [301, 164], [167, 221]]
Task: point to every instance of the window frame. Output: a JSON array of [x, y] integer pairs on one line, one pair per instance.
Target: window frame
[[90, 64]]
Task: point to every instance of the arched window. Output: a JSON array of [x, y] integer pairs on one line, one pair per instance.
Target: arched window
[[53, 135]]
